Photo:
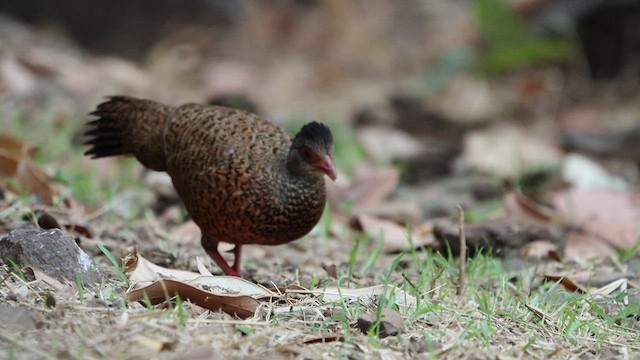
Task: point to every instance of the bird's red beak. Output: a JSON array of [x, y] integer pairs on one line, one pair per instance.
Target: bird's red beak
[[326, 166]]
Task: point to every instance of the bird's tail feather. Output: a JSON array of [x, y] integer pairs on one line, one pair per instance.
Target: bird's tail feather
[[127, 125]]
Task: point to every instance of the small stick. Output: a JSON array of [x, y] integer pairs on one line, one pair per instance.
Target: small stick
[[463, 252]]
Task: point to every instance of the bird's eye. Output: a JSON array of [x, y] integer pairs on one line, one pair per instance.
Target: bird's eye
[[306, 154]]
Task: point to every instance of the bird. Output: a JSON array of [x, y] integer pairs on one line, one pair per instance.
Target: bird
[[242, 179]]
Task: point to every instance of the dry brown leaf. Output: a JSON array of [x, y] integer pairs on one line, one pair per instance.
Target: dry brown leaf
[[146, 272], [233, 295], [567, 283], [395, 236], [16, 161], [391, 323], [242, 306], [331, 270], [324, 339], [571, 280], [518, 205]]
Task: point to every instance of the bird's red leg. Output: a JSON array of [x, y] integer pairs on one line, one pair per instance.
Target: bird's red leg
[[237, 251], [215, 255]]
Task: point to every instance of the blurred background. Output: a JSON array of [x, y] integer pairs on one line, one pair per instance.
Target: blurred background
[[437, 89]]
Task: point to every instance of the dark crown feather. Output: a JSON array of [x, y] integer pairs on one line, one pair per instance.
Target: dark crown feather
[[316, 132]]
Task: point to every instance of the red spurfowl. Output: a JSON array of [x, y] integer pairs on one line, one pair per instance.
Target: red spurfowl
[[242, 179]]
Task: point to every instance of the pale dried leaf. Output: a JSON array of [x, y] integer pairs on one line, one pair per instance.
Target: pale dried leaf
[[232, 285], [202, 268], [153, 345], [385, 144], [612, 286], [333, 294], [587, 246], [53, 282], [141, 271], [584, 173], [540, 249], [518, 151], [610, 215]]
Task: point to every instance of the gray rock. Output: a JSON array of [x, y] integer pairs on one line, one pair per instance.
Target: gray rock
[[52, 251]]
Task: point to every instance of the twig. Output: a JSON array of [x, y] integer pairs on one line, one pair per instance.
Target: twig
[[463, 252]]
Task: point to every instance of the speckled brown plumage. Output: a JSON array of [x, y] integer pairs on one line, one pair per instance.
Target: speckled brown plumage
[[242, 179]]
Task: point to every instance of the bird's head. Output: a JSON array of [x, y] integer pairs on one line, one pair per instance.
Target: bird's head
[[312, 151]]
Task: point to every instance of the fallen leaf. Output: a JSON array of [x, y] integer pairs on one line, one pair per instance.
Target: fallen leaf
[[517, 205], [587, 246], [242, 306], [153, 345], [614, 285], [331, 270], [570, 280], [391, 323], [519, 150], [332, 294], [51, 281], [370, 188], [395, 237], [567, 283], [612, 216], [385, 144], [233, 285], [142, 272], [539, 249], [146, 272], [16, 161], [324, 339], [538, 312], [233, 295], [584, 173]]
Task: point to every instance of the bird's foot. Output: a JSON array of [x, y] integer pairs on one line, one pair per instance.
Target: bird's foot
[[222, 263], [237, 251]]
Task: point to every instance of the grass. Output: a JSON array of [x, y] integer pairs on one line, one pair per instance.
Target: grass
[[117, 268], [497, 303], [492, 315], [497, 311]]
